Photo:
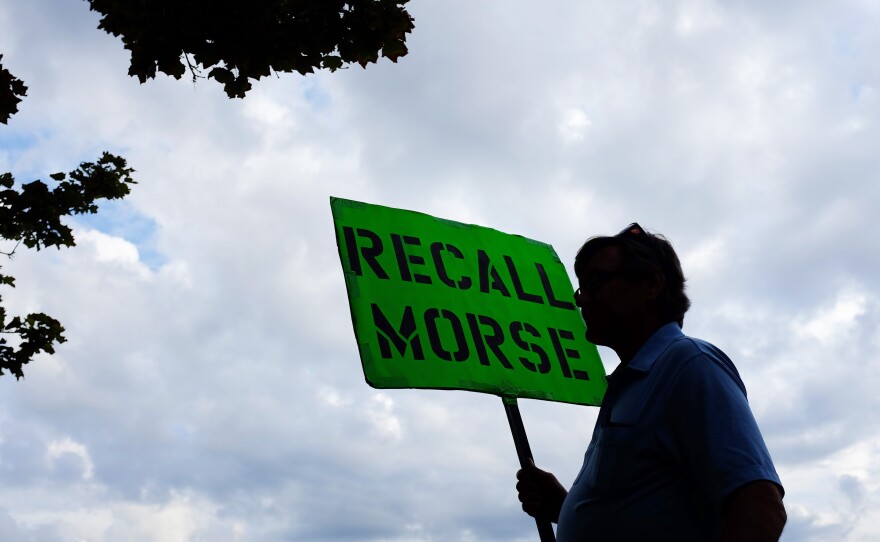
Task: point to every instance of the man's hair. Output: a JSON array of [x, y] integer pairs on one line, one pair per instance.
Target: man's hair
[[642, 253]]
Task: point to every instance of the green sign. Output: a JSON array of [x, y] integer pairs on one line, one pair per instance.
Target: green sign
[[444, 305]]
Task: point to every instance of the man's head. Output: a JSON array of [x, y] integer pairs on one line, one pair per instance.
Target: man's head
[[628, 280]]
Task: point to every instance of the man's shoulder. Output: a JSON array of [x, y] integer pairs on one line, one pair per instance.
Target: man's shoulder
[[685, 347], [690, 355]]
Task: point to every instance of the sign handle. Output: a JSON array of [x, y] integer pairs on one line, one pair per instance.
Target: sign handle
[[524, 452]]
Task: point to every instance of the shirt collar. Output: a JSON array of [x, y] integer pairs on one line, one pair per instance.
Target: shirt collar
[[654, 347]]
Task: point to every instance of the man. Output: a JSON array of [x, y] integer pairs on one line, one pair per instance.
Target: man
[[676, 454]]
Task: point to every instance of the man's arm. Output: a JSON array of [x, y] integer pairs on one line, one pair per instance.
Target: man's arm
[[754, 513], [723, 448]]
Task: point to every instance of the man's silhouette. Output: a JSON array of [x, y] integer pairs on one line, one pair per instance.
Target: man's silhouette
[[676, 454]]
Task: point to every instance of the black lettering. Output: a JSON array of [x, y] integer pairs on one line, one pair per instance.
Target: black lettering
[[436, 248], [564, 354], [431, 316], [400, 254], [416, 259], [492, 341], [351, 247], [406, 333], [404, 259], [518, 327], [372, 252], [464, 282], [369, 253], [517, 284], [487, 271], [548, 289]]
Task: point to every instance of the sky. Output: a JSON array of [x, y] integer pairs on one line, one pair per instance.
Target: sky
[[210, 387]]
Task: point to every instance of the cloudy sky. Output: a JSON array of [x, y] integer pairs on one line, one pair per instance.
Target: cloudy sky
[[211, 387]]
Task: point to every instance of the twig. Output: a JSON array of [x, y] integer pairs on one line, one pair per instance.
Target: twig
[[192, 70], [11, 253]]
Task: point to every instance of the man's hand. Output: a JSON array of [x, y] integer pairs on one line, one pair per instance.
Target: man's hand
[[540, 493], [754, 513]]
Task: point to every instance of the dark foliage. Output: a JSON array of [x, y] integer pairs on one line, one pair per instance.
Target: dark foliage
[[12, 90], [32, 215], [235, 41]]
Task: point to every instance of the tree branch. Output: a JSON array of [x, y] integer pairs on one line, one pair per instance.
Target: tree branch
[[11, 253]]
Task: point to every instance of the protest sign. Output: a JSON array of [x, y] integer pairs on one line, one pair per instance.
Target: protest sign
[[444, 305]]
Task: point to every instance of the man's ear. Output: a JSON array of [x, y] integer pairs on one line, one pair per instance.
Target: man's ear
[[654, 283]]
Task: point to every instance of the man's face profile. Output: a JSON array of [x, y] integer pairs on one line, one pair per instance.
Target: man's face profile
[[610, 301]]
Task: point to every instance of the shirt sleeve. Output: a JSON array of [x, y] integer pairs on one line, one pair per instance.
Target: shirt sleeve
[[716, 434]]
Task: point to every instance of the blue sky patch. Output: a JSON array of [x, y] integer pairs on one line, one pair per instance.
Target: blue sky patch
[[316, 97], [120, 219], [16, 141]]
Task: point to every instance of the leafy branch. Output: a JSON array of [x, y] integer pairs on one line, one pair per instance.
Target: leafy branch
[[236, 42], [31, 215], [12, 90]]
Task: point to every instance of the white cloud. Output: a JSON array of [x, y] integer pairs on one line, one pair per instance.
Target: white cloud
[[112, 250], [180, 517], [215, 392], [573, 126], [59, 448], [836, 322], [380, 414], [705, 259]]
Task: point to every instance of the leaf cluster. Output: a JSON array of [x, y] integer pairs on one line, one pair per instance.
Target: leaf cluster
[[32, 215], [12, 90], [37, 332], [235, 41], [238, 41]]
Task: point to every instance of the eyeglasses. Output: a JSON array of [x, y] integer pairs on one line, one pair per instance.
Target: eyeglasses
[[595, 280]]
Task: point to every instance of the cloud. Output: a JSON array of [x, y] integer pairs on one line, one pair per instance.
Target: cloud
[[211, 387], [59, 449]]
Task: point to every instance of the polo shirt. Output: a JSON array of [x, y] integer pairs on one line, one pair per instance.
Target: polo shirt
[[675, 436]]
